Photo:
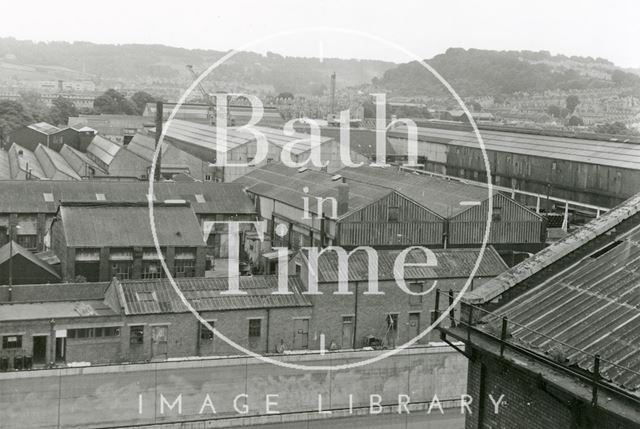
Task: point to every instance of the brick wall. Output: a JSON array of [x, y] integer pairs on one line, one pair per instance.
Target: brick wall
[[528, 403]]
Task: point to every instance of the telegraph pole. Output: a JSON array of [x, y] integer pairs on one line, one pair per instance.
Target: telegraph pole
[[159, 117]]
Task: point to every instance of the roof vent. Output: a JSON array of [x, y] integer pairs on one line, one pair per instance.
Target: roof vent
[[175, 201], [336, 177], [302, 169], [20, 152]]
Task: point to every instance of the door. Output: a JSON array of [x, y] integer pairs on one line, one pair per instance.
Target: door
[[40, 349], [61, 349], [159, 341], [392, 330], [300, 334], [414, 325], [347, 332]]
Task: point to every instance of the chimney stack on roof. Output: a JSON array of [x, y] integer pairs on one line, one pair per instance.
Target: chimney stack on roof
[[343, 197]]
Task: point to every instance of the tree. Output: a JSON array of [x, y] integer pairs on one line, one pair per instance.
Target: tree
[[615, 128], [575, 121], [13, 115], [60, 111], [572, 102], [114, 102], [140, 99], [285, 95], [554, 111]]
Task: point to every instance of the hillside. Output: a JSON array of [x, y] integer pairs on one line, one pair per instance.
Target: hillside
[[482, 72], [159, 64]]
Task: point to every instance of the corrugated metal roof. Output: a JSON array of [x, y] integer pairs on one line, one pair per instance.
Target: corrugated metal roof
[[439, 195], [58, 162], [451, 263], [286, 185], [77, 160], [19, 196], [26, 161], [615, 154], [204, 136], [143, 146], [6, 252], [593, 308], [5, 166], [204, 294], [106, 225], [54, 310], [103, 149], [44, 128]]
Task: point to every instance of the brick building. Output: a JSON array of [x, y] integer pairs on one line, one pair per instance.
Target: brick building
[[31, 135], [101, 240], [394, 317], [557, 334], [26, 267], [29, 209]]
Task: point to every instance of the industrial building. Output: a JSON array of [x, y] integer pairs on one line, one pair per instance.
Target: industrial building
[[598, 172], [386, 208], [557, 334]]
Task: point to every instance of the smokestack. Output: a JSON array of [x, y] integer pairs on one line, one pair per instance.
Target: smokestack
[[333, 93], [343, 197], [159, 118]]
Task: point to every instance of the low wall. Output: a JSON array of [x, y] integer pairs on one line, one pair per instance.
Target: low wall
[[125, 395]]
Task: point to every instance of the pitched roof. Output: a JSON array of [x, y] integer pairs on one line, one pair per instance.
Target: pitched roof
[[204, 136], [44, 128], [444, 197], [128, 225], [204, 294], [590, 309], [25, 160], [57, 161], [103, 149], [451, 263], [285, 184], [19, 196], [77, 160], [5, 165], [6, 252]]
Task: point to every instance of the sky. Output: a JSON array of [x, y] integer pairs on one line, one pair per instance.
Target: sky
[[608, 29]]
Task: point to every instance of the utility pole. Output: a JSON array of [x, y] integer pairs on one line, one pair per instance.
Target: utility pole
[[159, 118]]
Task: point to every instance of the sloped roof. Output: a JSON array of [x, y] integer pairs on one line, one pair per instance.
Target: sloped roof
[[143, 146], [103, 149], [77, 160], [6, 252], [26, 161], [58, 162], [451, 263], [55, 310], [591, 308], [284, 184], [601, 152], [5, 165], [204, 294], [44, 128], [204, 136], [18, 196], [123, 225], [444, 197]]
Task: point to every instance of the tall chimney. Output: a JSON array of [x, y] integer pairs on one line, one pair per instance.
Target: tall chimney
[[343, 197], [159, 118]]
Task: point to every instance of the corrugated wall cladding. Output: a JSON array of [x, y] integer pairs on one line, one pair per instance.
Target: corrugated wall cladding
[[511, 223], [371, 225]]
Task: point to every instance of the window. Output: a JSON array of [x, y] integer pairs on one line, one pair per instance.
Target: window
[[415, 288], [136, 335], [151, 270], [497, 214], [207, 177], [255, 328], [393, 214], [48, 197], [185, 262], [200, 198], [206, 334], [82, 333], [12, 342], [121, 270], [29, 241], [100, 197]]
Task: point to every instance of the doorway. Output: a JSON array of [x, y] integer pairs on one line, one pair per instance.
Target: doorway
[[40, 349], [159, 340], [414, 325], [61, 349], [347, 332], [300, 334]]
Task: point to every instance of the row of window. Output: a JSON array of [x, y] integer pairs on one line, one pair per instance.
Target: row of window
[[93, 332], [123, 270]]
